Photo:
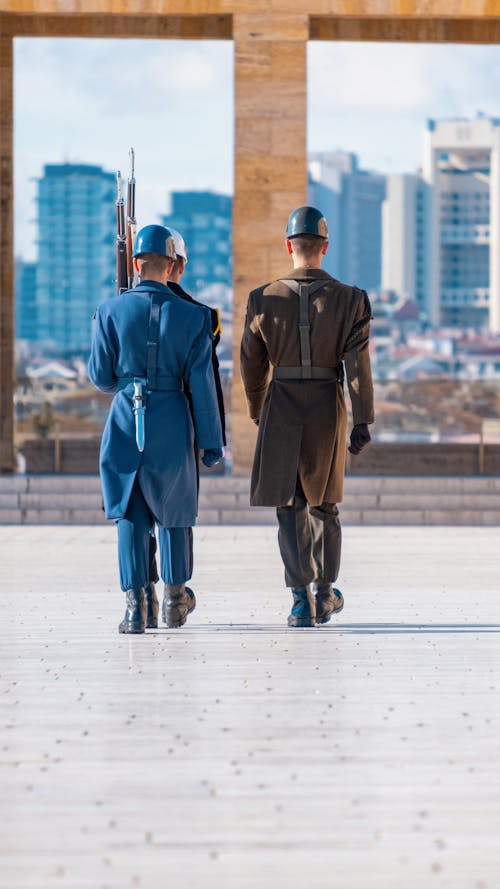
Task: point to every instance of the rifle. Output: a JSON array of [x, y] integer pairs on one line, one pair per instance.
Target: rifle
[[125, 234], [125, 237], [131, 220], [121, 239]]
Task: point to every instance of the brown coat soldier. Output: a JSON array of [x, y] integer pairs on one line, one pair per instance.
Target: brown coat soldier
[[302, 428], [301, 331]]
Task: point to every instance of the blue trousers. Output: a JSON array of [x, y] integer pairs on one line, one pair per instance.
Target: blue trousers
[[134, 530]]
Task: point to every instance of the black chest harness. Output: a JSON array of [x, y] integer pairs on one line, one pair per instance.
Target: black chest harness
[[306, 371]]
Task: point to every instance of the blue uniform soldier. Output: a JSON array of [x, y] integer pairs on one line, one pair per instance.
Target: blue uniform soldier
[[148, 344], [174, 285]]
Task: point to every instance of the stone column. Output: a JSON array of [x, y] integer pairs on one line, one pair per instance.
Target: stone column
[[7, 257], [270, 170]]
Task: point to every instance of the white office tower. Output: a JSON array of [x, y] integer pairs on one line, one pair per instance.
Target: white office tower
[[405, 239], [462, 166], [351, 199]]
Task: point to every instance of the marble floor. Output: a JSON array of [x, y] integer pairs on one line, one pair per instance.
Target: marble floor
[[236, 753]]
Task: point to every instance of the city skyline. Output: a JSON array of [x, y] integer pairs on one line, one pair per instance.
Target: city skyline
[[92, 104], [56, 295]]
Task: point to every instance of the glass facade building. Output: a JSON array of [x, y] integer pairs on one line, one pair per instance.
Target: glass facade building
[[76, 260], [26, 304], [204, 219], [441, 232], [351, 199], [405, 239]]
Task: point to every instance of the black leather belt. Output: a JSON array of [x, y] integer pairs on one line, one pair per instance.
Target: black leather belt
[[295, 373]]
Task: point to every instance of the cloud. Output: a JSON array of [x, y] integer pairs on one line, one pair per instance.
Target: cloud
[[354, 76], [88, 100], [420, 77], [375, 99], [112, 75]]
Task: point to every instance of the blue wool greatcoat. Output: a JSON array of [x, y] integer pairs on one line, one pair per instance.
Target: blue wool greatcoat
[[166, 469]]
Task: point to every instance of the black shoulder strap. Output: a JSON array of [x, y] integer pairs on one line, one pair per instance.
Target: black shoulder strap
[[153, 338], [304, 291]]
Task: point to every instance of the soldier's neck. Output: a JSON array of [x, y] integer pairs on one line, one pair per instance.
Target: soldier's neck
[[158, 279], [310, 264]]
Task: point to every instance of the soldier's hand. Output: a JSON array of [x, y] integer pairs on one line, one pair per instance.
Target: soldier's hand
[[359, 438], [256, 421], [211, 456]]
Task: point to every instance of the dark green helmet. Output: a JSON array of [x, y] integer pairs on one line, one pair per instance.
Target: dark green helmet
[[306, 221]]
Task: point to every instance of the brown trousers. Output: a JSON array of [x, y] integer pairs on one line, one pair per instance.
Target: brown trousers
[[310, 540]]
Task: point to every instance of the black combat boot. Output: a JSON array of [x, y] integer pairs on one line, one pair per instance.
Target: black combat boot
[[178, 602], [135, 615], [152, 607], [303, 611], [328, 601]]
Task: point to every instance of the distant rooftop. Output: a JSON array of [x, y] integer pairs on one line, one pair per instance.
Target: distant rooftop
[[67, 169], [433, 122]]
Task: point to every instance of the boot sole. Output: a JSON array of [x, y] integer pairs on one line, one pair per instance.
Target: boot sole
[[300, 622], [324, 620], [131, 629], [176, 624], [152, 626]]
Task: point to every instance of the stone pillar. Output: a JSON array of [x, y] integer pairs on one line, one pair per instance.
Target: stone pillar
[[270, 170], [7, 257], [495, 233]]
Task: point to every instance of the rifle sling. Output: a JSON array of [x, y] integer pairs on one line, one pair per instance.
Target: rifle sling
[[153, 338]]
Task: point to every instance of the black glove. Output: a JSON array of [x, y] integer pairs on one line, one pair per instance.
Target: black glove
[[211, 456], [256, 421], [359, 438]]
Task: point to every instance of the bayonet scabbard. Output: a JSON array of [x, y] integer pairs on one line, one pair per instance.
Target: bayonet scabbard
[[139, 410]]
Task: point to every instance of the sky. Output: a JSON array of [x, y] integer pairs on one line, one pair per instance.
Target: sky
[[88, 101]]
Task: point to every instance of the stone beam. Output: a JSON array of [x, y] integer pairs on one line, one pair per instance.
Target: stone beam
[[180, 27], [270, 170], [408, 30]]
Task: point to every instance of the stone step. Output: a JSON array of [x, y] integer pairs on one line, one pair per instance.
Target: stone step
[[65, 499], [411, 499], [366, 517], [263, 516], [230, 485], [471, 517]]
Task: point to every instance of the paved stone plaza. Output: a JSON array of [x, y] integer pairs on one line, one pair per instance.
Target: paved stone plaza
[[236, 753]]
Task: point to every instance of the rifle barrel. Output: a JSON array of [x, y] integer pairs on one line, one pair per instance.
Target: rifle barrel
[[131, 220], [121, 242], [120, 207]]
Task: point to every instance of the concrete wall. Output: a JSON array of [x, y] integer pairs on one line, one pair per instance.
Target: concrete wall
[[82, 456]]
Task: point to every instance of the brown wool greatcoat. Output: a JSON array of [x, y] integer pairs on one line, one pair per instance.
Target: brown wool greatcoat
[[302, 428]]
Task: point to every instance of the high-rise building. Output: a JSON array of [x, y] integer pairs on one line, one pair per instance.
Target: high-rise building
[[76, 265], [26, 305], [405, 239], [204, 219], [351, 199], [462, 167]]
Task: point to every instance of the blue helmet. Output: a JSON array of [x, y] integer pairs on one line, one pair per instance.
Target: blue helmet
[[306, 221], [155, 239]]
